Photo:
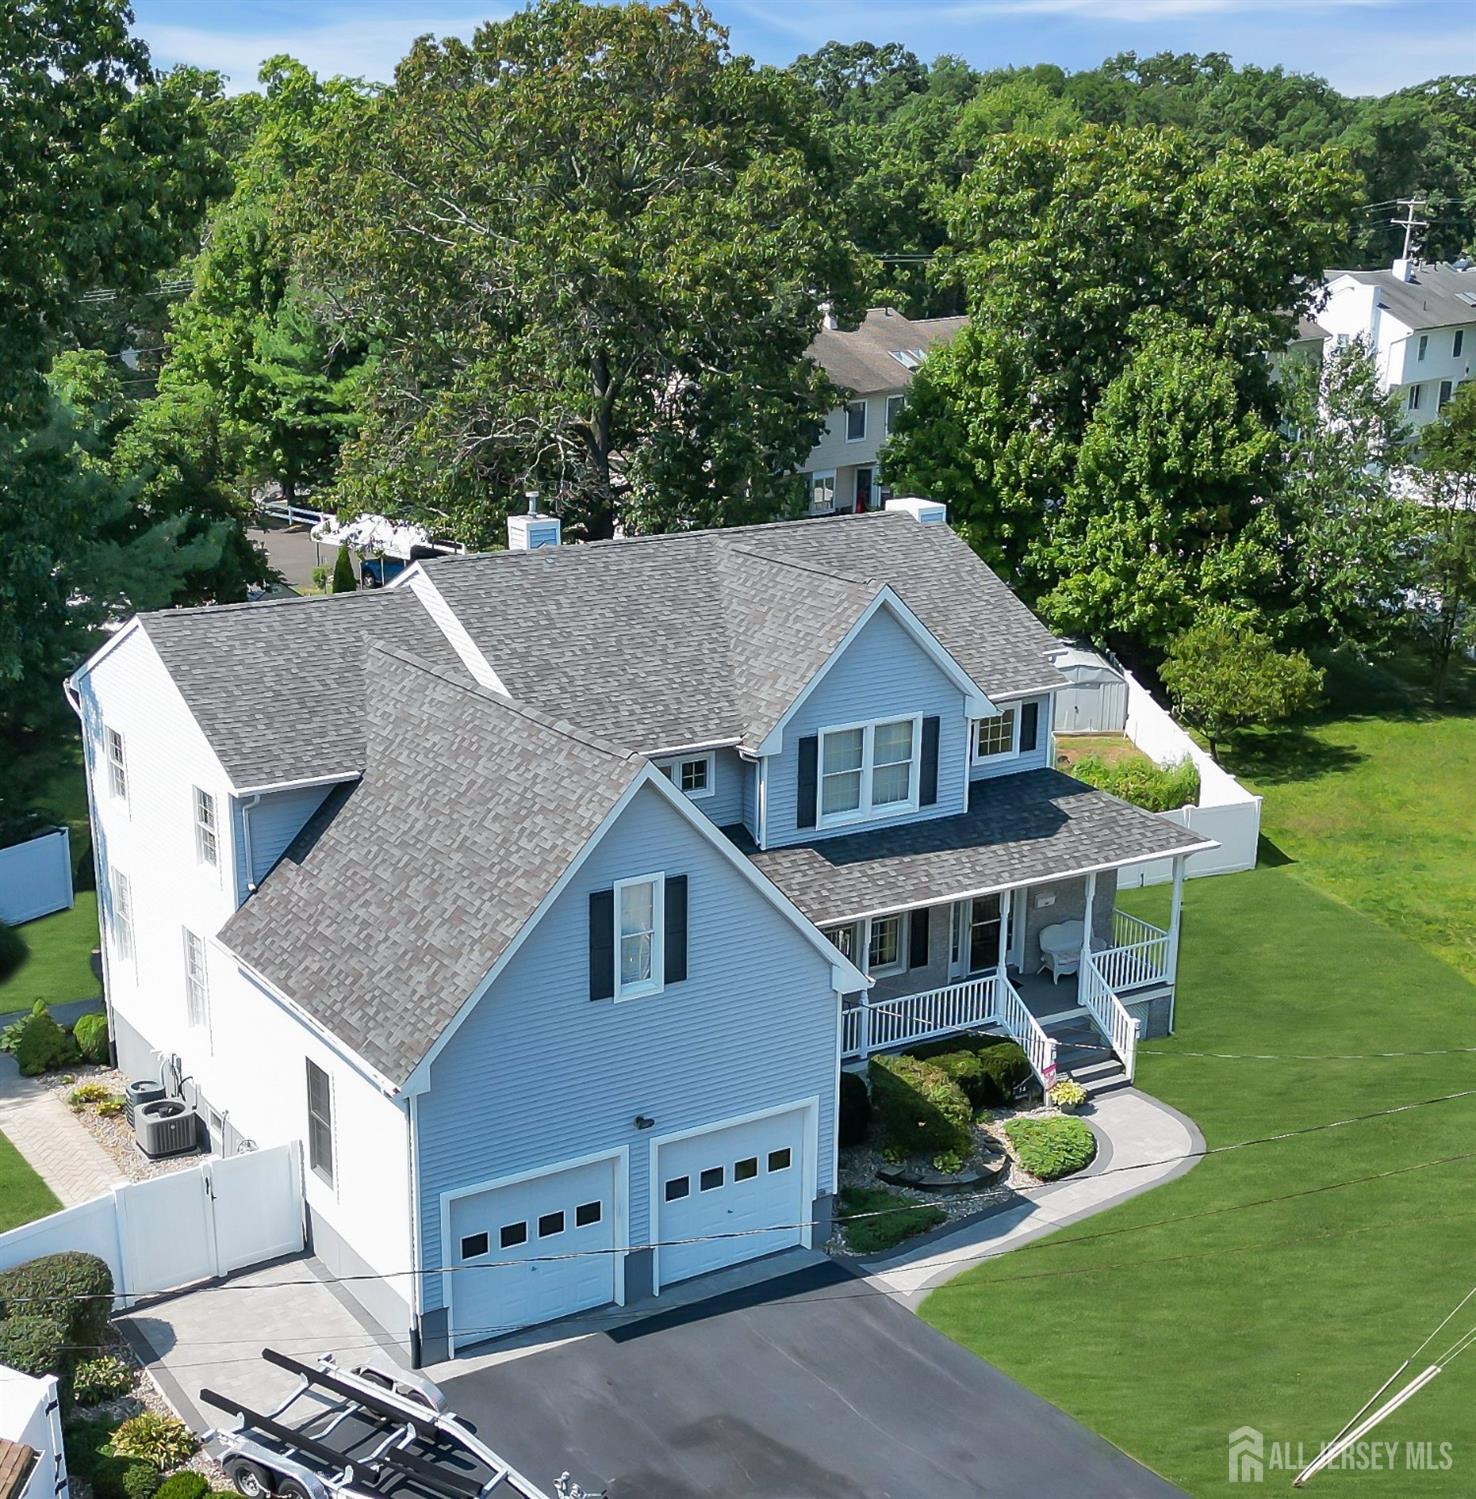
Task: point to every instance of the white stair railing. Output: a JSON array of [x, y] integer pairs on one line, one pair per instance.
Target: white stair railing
[[1109, 1013], [1025, 1031]]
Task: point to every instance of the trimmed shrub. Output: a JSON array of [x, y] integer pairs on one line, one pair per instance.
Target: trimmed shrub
[[90, 1456], [140, 1481], [922, 1110], [41, 1045], [1050, 1148], [183, 1486], [1007, 1066], [91, 1035], [1139, 781], [163, 1441], [73, 1287], [872, 1235], [855, 1108], [343, 573], [1002, 1067], [85, 1093], [97, 1379], [13, 950], [111, 1106], [36, 1343], [964, 1068]]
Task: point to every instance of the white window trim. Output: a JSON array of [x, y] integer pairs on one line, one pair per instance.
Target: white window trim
[[900, 404], [1413, 403], [657, 982], [117, 764], [125, 952], [821, 473], [904, 940], [1422, 347], [673, 771], [206, 834], [1457, 343], [866, 812], [865, 419], [1002, 756], [330, 1177], [201, 1021]]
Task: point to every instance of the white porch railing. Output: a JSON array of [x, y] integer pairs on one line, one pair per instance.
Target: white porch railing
[[877, 1025], [1025, 1031], [1139, 954], [1109, 1014]]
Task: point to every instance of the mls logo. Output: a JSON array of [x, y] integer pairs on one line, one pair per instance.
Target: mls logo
[[1247, 1455]]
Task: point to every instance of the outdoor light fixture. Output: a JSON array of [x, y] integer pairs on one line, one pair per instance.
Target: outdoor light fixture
[[644, 1121]]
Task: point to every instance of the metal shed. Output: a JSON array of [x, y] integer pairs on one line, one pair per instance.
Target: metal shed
[[1095, 702]]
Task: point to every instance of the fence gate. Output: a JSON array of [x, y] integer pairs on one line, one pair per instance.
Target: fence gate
[[209, 1219]]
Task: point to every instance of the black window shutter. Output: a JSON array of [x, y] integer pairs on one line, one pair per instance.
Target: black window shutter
[[917, 924], [601, 944], [1029, 727], [927, 791], [674, 939], [809, 765]]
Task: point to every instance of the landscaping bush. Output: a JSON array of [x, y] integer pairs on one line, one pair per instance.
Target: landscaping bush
[[1067, 1094], [97, 1379], [1002, 1067], [1049, 1148], [343, 573], [163, 1441], [85, 1093], [91, 1035], [36, 1343], [1141, 782], [73, 1287], [922, 1110], [111, 1106], [90, 1456], [140, 1480], [965, 1069], [855, 1108], [868, 1235], [12, 950], [183, 1486], [41, 1045]]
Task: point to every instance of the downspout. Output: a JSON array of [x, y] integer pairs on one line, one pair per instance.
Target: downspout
[[416, 1276], [247, 803]]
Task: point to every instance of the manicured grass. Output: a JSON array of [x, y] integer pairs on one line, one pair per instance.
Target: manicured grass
[[23, 1195], [1269, 1287], [873, 1235], [1111, 749], [58, 964]]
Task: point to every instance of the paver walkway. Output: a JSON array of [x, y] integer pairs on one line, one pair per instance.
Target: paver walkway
[[1142, 1143], [56, 1146]]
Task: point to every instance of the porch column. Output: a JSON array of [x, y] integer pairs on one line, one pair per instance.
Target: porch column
[[1176, 908], [1086, 934], [1005, 899]]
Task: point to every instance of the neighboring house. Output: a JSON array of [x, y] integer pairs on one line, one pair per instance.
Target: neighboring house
[[875, 364], [1418, 322], [544, 894]]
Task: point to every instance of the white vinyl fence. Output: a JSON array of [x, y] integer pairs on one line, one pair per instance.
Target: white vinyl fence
[[1227, 812], [36, 877], [206, 1220]]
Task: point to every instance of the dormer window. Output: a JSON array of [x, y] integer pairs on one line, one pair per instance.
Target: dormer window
[[692, 775], [869, 770], [997, 737]]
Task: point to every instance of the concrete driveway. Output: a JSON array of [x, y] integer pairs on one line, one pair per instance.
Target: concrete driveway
[[812, 1386]]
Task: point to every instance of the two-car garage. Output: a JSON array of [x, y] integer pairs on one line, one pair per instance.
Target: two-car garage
[[543, 1245]]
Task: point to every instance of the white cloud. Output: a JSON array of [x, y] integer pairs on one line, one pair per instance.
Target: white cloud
[[354, 46]]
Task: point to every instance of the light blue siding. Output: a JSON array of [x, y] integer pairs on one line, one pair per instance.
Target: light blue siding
[[275, 821], [884, 673], [1038, 759], [539, 1073], [749, 814], [725, 806]]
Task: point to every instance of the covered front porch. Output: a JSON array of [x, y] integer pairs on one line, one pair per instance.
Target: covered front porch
[[1043, 964]]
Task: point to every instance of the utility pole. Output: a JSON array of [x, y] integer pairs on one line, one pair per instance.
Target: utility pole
[[1409, 223]]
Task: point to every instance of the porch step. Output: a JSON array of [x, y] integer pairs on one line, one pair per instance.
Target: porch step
[[1083, 1054]]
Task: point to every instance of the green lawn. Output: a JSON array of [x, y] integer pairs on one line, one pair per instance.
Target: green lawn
[[58, 965], [1203, 1306], [23, 1195]]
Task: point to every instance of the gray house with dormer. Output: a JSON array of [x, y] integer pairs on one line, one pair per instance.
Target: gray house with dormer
[[544, 895]]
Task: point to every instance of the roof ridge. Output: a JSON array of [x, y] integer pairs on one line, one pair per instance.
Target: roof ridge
[[807, 567], [240, 606], [516, 706]]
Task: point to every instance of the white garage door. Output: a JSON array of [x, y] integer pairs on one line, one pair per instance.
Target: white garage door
[[513, 1233], [747, 1180]]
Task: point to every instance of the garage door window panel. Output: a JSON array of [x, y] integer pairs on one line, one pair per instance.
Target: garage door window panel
[[711, 1179], [512, 1234], [587, 1214], [473, 1245], [780, 1160], [550, 1224], [745, 1170], [677, 1188]]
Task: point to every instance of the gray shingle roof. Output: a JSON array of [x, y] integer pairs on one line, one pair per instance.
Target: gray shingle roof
[[1433, 299], [1018, 829], [278, 687], [400, 894], [707, 636], [862, 360]]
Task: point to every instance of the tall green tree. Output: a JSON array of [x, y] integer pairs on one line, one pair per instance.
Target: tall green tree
[[590, 247], [1447, 617]]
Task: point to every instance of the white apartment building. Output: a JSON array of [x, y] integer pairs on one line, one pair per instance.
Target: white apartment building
[[1419, 323], [874, 363]]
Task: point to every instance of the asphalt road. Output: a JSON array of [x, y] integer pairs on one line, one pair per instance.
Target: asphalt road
[[809, 1387]]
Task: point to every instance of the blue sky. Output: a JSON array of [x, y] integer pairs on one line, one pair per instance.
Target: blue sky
[[1362, 46]]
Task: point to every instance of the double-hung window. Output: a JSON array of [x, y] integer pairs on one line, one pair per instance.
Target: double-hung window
[[997, 737], [122, 917], [869, 770], [895, 406], [117, 766], [885, 952], [1457, 342], [320, 1121], [639, 908], [1413, 402], [855, 421], [197, 990], [207, 844], [1424, 345], [1446, 391]]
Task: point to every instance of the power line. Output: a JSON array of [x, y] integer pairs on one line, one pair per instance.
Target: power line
[[1306, 1056]]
